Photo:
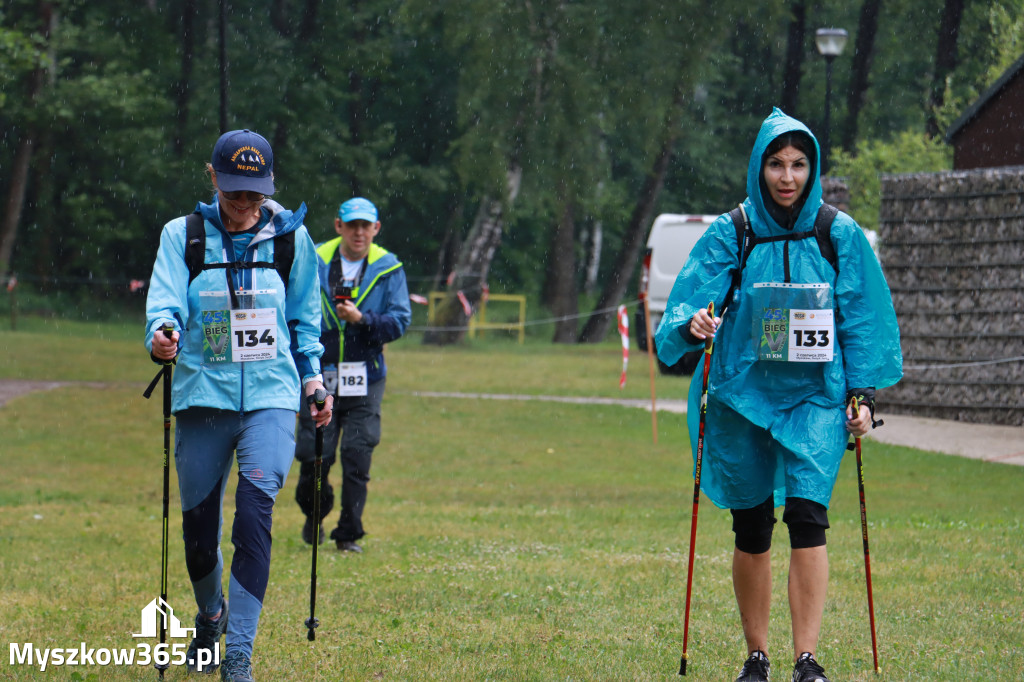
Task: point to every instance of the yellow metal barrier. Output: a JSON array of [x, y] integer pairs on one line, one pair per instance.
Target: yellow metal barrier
[[478, 322]]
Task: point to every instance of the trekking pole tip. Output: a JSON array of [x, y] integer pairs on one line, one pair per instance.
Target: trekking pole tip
[[682, 665], [312, 623]]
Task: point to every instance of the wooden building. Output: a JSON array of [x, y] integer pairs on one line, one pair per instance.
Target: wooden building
[[990, 133]]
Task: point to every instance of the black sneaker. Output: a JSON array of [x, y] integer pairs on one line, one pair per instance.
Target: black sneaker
[[345, 545], [349, 546], [808, 670], [207, 636], [756, 669], [307, 532], [236, 668]]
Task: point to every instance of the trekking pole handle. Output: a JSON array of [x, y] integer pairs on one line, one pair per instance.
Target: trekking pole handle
[[319, 397], [168, 329], [709, 342]]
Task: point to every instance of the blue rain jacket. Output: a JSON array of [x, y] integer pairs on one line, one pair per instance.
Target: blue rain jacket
[[800, 405], [225, 384], [383, 299]]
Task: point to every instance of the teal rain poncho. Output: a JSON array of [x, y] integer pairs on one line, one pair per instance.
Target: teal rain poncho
[[778, 427]]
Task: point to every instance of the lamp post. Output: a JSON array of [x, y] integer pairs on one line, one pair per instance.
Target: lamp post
[[830, 42]]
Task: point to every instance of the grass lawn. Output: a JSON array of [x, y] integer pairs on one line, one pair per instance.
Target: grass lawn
[[508, 540]]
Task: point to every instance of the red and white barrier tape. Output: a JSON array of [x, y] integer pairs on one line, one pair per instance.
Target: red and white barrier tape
[[624, 332]]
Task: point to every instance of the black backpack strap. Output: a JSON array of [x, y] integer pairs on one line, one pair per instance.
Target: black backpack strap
[[195, 252], [742, 225], [746, 241], [195, 245], [823, 234], [284, 255]]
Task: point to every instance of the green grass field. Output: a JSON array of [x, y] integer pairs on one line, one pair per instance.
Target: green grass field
[[509, 540]]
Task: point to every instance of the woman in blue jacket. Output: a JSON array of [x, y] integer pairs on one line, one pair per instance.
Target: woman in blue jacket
[[799, 337], [245, 342]]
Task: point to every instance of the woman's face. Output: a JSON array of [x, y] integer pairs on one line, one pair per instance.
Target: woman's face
[[785, 173], [239, 210]]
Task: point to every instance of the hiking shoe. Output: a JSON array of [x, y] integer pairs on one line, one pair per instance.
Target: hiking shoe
[[808, 670], [756, 668], [345, 545], [307, 532], [207, 637], [236, 668]]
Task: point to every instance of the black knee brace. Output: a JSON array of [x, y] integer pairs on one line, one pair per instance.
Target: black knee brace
[[807, 521], [753, 527]]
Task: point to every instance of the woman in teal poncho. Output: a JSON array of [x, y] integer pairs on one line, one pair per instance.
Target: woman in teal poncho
[[799, 337]]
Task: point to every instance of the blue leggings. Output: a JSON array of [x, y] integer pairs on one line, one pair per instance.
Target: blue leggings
[[206, 443]]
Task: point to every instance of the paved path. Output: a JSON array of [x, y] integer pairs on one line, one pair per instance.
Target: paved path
[[992, 443], [12, 388], [988, 442]]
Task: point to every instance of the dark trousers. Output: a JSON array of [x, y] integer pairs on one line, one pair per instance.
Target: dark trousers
[[355, 426]]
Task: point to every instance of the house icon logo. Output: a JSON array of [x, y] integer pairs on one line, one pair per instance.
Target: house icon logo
[[155, 610]]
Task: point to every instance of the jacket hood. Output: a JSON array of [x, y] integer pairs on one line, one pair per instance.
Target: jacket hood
[[282, 220], [778, 123]]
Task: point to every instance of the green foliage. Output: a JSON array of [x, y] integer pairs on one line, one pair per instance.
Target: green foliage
[[909, 152], [422, 106]]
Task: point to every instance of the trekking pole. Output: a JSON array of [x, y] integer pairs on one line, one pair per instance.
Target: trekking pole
[[320, 398], [864, 535], [708, 346], [165, 375]]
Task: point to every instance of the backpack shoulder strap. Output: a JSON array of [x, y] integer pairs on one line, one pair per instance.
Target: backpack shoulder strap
[[195, 251], [284, 256], [823, 234], [195, 244], [740, 222]]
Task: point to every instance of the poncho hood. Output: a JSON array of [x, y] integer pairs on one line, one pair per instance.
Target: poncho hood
[[778, 123]]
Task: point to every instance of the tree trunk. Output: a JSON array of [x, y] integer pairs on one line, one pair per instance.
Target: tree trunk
[[222, 40], [18, 186], [450, 247], [561, 289], [600, 320], [945, 60], [44, 194], [794, 57], [594, 241], [596, 328], [863, 53], [182, 91], [451, 318], [15, 199]]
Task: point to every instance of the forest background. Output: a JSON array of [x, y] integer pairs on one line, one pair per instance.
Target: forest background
[[511, 146]]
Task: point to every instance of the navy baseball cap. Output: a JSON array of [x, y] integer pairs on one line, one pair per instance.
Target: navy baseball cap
[[358, 209], [243, 160]]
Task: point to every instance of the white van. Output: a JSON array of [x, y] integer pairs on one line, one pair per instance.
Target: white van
[[669, 244]]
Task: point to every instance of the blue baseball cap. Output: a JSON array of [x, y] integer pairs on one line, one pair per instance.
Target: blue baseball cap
[[243, 160], [358, 209]]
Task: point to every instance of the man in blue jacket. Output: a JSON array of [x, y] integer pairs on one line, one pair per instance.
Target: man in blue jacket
[[364, 302]]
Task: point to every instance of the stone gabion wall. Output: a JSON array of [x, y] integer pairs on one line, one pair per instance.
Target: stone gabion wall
[[952, 248]]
